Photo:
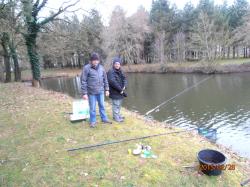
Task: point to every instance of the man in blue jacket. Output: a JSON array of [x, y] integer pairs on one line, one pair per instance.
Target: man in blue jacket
[[117, 84], [93, 85]]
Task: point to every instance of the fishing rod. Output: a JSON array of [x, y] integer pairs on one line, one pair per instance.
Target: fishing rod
[[243, 183], [149, 136], [127, 140], [180, 93]]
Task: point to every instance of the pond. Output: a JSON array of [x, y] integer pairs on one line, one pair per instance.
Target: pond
[[222, 102]]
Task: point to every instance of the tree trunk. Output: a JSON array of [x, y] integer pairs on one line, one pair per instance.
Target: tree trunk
[[223, 52], [30, 40], [5, 41], [15, 60], [63, 60], [215, 52], [228, 52], [79, 60], [162, 37], [233, 51], [7, 67], [1, 70]]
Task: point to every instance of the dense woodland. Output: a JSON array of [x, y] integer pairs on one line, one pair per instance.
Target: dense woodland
[[165, 34]]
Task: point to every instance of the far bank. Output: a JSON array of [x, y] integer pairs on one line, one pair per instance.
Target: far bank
[[223, 66], [229, 66]]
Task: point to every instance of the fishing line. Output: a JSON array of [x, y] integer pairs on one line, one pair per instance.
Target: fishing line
[[149, 136], [180, 93]]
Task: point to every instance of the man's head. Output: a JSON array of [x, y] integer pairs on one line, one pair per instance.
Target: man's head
[[117, 63], [94, 59]]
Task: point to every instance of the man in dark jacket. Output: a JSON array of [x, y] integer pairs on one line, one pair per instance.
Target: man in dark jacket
[[93, 84], [117, 84]]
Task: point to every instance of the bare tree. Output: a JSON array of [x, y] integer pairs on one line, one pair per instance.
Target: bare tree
[[179, 46], [140, 29], [128, 35], [204, 36], [10, 20], [69, 41], [54, 43], [114, 43]]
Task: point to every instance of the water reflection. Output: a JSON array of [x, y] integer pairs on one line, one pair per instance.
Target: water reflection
[[70, 86], [221, 103]]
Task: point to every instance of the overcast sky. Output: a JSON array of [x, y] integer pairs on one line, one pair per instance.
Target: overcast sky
[[105, 7]]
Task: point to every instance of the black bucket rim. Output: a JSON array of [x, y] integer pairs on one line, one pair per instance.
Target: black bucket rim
[[209, 163]]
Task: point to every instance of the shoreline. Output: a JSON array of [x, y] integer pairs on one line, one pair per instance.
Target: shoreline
[[193, 132], [48, 77], [44, 133]]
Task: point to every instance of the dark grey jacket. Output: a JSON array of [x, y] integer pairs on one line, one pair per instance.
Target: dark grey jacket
[[93, 80]]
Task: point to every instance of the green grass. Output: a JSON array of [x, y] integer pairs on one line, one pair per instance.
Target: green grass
[[35, 133], [233, 61], [45, 73], [218, 66]]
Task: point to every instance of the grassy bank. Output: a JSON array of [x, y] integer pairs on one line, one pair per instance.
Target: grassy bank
[[220, 66], [35, 133]]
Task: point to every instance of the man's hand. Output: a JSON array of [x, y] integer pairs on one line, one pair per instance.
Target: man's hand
[[107, 93], [85, 97]]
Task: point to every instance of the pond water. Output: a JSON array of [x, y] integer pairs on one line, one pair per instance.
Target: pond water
[[222, 102]]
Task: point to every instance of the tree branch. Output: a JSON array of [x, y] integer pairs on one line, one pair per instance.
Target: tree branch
[[72, 11], [36, 4], [36, 7], [2, 5], [42, 5], [52, 17]]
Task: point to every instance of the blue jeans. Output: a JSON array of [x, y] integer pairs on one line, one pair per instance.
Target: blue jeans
[[116, 108], [92, 107]]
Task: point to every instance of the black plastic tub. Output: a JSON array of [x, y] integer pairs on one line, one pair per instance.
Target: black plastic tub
[[212, 162]]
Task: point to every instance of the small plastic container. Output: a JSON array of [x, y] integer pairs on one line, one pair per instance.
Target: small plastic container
[[210, 134]]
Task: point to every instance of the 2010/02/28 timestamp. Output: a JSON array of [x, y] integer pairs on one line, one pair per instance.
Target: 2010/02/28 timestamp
[[217, 167]]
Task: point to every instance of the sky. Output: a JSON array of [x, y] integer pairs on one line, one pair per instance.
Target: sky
[[105, 7]]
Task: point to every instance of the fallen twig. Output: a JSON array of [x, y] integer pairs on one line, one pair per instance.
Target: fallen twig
[[243, 183]]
